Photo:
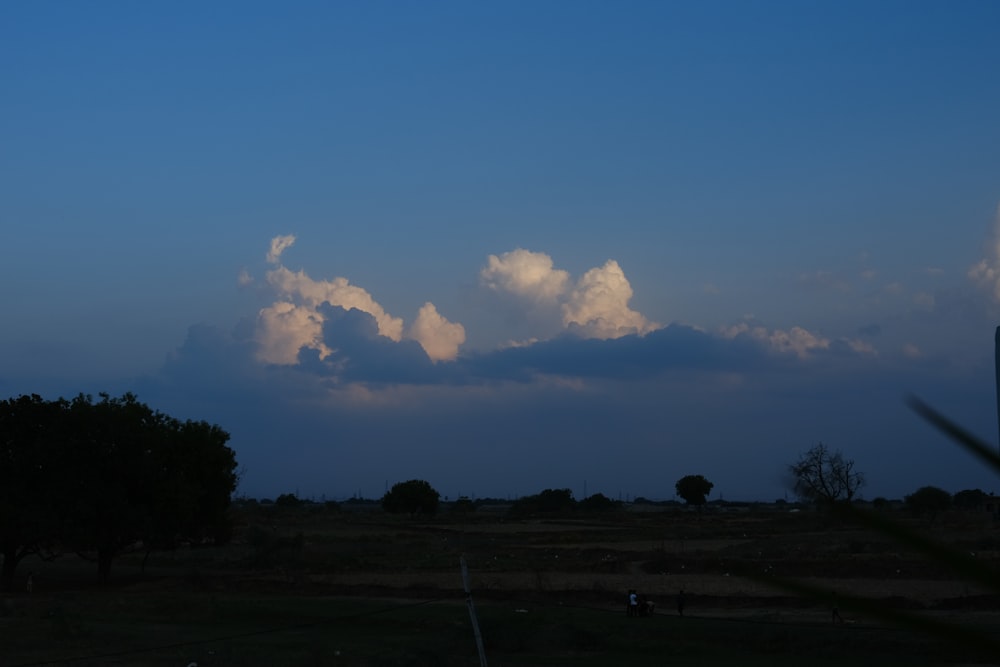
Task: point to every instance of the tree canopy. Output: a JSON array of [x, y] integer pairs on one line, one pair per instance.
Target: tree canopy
[[968, 499], [549, 501], [415, 496], [694, 489], [928, 500], [102, 476], [824, 476], [598, 502]]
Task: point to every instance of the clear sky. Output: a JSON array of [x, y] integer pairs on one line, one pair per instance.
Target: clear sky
[[510, 246]]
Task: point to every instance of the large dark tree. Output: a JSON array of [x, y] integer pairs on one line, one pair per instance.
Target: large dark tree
[[198, 476], [824, 476], [29, 474], [100, 477], [694, 489], [413, 497], [115, 446]]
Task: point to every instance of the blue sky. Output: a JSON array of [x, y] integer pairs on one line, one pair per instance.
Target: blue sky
[[512, 246]]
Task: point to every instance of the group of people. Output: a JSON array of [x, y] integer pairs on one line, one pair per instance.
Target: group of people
[[638, 605]]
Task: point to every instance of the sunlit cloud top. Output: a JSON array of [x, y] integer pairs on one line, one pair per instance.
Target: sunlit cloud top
[[595, 306], [295, 321]]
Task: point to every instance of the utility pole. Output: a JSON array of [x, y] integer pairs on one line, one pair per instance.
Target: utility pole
[[472, 614], [996, 363]]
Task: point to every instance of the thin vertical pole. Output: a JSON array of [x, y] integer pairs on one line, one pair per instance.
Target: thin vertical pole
[[996, 362], [472, 614]]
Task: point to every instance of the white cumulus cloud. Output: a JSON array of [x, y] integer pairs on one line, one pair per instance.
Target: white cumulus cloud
[[284, 328], [299, 287], [525, 274], [599, 305], [596, 306], [295, 320], [278, 245], [796, 340], [439, 337]]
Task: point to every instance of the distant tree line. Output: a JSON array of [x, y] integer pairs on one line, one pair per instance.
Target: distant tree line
[[561, 501], [418, 497], [99, 477], [825, 477]]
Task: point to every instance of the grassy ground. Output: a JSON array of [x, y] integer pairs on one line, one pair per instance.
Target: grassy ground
[[112, 628], [322, 588]]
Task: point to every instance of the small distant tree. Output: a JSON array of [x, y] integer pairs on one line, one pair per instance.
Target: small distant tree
[[825, 477], [289, 500], [555, 500], [549, 501], [928, 501], [969, 499], [412, 497], [598, 503], [463, 505], [694, 489]]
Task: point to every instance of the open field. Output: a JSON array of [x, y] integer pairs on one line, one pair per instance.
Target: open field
[[314, 586]]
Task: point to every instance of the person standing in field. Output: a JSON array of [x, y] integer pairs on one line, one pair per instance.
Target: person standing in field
[[680, 602]]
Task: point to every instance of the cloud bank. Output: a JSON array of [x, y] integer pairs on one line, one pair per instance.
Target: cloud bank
[[339, 330], [352, 396]]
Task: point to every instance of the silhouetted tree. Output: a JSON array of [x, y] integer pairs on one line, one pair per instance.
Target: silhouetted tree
[[825, 477], [463, 505], [140, 475], [928, 501], [99, 477], [287, 500], [598, 502], [195, 485], [29, 476], [880, 503], [969, 499], [411, 497], [549, 501], [555, 500], [694, 489]]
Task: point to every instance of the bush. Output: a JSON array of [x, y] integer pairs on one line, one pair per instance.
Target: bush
[[412, 497], [928, 500]]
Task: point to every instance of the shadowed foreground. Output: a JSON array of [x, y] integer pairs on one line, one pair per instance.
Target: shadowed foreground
[[343, 588]]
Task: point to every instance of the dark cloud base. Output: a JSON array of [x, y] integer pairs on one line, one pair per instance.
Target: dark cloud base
[[627, 416]]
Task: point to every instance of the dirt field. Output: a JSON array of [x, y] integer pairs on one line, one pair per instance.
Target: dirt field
[[744, 570]]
